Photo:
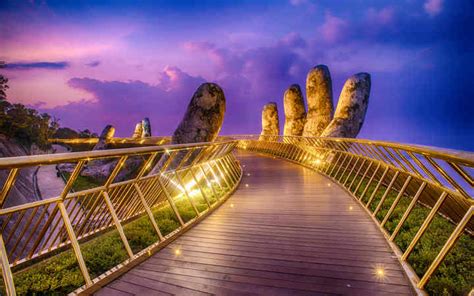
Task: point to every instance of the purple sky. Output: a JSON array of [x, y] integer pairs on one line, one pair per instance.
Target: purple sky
[[119, 61]]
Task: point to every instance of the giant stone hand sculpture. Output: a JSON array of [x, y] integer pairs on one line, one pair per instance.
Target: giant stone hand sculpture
[[204, 116], [107, 134], [295, 111], [351, 108], [201, 122], [137, 133], [320, 101], [146, 127], [270, 122], [319, 122]]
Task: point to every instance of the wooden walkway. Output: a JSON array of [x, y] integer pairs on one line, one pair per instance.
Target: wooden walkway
[[290, 232]]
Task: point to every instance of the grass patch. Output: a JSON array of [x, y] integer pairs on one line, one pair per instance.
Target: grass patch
[[82, 182]]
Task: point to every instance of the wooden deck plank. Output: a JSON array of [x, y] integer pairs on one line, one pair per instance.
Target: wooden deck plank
[[290, 231]]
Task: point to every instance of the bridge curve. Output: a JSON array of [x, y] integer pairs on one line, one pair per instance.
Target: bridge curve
[[286, 230]]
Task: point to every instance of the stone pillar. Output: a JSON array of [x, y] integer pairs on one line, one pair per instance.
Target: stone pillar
[[320, 101], [270, 122], [138, 131], [351, 108], [201, 122], [295, 111], [107, 134], [146, 127], [204, 116]]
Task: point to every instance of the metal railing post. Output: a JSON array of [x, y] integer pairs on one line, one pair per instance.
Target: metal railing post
[[408, 211], [117, 223], [424, 226], [447, 247], [148, 211], [386, 193], [6, 270], [170, 201], [395, 202]]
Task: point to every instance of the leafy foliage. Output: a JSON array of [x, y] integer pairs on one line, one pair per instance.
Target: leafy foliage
[[60, 274], [27, 126], [454, 276]]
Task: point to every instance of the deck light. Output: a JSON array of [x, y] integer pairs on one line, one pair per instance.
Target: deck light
[[350, 208], [380, 273], [329, 184], [231, 205], [248, 174], [246, 185], [177, 252]]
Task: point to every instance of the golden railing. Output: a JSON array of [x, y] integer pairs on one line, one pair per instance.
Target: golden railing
[[440, 180], [162, 175], [89, 143]]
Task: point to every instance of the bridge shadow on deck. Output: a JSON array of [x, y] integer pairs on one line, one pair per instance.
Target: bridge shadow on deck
[[290, 232]]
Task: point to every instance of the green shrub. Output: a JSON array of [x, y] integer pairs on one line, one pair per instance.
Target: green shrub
[[60, 274], [454, 276]]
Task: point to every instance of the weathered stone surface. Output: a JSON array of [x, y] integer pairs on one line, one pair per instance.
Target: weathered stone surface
[[204, 116], [270, 122], [107, 134], [295, 111], [201, 122], [146, 127], [351, 108], [320, 101], [137, 133]]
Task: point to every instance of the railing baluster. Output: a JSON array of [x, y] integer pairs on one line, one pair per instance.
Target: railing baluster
[[424, 226], [386, 193], [447, 247], [6, 271], [186, 193], [447, 177], [148, 211], [395, 202], [74, 243], [117, 223], [204, 195], [357, 174], [7, 187], [366, 188], [350, 172], [377, 187], [408, 211], [362, 179]]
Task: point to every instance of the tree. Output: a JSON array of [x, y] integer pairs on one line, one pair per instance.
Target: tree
[[23, 124]]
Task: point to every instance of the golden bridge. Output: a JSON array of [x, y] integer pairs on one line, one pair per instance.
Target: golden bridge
[[246, 215]]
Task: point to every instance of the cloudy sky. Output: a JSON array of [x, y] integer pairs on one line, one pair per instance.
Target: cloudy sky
[[91, 63]]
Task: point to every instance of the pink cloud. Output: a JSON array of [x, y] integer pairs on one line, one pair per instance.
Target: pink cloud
[[122, 104], [333, 29], [382, 16], [433, 7]]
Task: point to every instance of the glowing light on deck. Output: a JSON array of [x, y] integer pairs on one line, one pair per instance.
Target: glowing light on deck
[[246, 185], [231, 205], [380, 273], [350, 208], [177, 252], [329, 184]]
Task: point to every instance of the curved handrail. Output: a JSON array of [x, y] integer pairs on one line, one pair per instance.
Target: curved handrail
[[135, 183], [419, 173]]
